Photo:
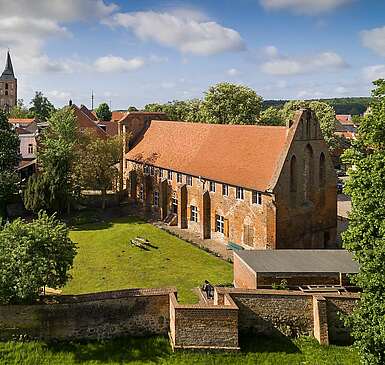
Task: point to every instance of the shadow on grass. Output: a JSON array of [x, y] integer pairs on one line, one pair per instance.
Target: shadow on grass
[[252, 343], [96, 223], [116, 350]]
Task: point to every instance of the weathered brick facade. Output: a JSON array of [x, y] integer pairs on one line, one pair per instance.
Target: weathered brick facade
[[297, 209]]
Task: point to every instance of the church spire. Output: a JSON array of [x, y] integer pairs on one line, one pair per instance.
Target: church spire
[[8, 73]]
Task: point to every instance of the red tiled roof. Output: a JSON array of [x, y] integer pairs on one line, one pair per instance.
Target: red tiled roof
[[240, 155], [21, 120], [88, 112], [111, 127], [118, 115], [84, 122], [344, 118]]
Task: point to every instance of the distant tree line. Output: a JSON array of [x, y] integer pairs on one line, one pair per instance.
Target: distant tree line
[[353, 105]]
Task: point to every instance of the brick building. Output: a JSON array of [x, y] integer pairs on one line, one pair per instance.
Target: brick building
[[263, 187], [8, 86], [260, 269]]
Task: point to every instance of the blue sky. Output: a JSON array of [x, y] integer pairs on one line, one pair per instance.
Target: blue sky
[[137, 52]]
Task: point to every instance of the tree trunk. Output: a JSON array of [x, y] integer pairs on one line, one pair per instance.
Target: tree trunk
[[104, 194]]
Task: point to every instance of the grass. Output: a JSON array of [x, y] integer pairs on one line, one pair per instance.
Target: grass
[[156, 350], [107, 261]]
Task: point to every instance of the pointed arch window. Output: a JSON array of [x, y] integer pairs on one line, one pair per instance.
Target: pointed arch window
[[293, 174], [322, 176]]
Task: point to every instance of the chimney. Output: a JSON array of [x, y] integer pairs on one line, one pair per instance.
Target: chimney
[[70, 102]]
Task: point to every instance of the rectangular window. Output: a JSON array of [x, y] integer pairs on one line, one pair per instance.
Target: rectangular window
[[194, 213], [169, 175], [179, 177], [160, 173], [152, 170], [240, 193], [30, 148], [146, 169], [141, 193], [225, 190], [174, 205], [219, 224], [156, 199], [126, 164], [257, 197], [189, 180], [212, 186]]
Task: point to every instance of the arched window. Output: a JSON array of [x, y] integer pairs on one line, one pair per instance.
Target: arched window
[[308, 129], [308, 172], [6, 92], [322, 177], [293, 174]]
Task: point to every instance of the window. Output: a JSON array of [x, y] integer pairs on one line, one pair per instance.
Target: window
[[152, 170], [141, 193], [212, 186], [30, 148], [219, 224], [225, 190], [161, 173], [156, 199], [257, 197], [322, 170], [146, 169], [126, 164], [189, 180], [194, 213], [169, 174], [240, 193], [179, 177], [174, 205], [293, 174]]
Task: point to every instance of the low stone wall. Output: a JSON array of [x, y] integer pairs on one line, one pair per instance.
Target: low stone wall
[[134, 312], [291, 313], [197, 326]]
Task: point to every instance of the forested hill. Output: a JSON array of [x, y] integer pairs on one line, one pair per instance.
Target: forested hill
[[354, 106]]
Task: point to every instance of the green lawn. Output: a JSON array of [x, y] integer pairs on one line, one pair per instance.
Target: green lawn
[[156, 350], [107, 261]]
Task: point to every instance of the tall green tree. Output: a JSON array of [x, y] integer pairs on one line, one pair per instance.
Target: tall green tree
[[365, 236], [103, 112], [32, 256], [97, 165], [227, 103], [41, 108], [57, 156], [9, 158], [271, 116]]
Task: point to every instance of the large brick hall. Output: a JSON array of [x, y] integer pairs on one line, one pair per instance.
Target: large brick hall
[[262, 187]]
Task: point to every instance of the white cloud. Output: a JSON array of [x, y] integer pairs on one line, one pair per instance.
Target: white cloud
[[56, 10], [118, 64], [282, 65], [341, 90], [233, 72], [310, 94], [374, 39], [306, 7], [271, 51], [186, 31], [25, 26], [58, 95], [374, 72]]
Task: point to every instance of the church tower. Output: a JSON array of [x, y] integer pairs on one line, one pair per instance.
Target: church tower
[[8, 86]]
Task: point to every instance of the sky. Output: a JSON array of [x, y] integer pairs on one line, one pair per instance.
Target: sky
[[144, 51]]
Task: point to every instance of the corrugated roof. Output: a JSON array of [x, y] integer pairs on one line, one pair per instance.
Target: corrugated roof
[[298, 261], [240, 155]]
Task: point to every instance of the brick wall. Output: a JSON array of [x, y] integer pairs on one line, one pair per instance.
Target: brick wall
[[204, 326], [134, 312], [244, 277]]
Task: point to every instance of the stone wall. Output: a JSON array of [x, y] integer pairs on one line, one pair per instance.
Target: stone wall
[[291, 313], [204, 326], [134, 312]]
